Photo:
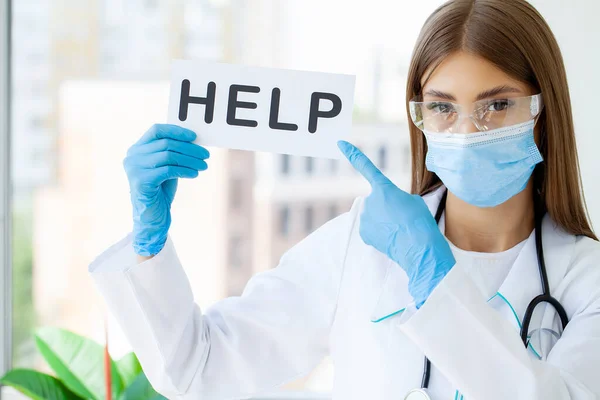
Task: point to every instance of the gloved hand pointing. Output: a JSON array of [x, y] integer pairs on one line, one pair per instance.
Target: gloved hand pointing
[[153, 165], [400, 225]]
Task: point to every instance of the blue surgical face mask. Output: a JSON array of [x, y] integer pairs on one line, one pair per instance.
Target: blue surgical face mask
[[486, 168]]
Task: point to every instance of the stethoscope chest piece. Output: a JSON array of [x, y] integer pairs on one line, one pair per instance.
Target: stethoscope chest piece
[[417, 394]]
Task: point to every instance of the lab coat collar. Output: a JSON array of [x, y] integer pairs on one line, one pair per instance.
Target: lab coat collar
[[520, 286], [523, 282]]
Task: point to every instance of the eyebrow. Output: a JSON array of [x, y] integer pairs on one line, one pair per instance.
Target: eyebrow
[[483, 95]]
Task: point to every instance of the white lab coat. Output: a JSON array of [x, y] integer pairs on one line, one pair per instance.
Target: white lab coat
[[332, 294]]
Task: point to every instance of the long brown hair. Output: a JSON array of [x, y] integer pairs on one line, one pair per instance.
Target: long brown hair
[[512, 35]]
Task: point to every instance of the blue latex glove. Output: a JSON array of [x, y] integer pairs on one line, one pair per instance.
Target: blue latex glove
[[153, 165], [401, 226]]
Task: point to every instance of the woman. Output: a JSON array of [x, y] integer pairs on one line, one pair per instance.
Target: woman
[[403, 291]]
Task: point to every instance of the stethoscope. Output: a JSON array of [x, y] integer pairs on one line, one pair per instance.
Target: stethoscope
[[545, 297]]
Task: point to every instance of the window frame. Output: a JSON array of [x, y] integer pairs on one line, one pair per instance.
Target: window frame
[[5, 190]]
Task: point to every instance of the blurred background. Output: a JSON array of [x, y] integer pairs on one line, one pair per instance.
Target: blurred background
[[90, 76]]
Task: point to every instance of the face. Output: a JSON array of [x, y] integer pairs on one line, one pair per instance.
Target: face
[[467, 94], [479, 88]]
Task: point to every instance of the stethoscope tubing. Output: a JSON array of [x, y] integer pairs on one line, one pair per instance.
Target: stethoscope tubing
[[545, 297]]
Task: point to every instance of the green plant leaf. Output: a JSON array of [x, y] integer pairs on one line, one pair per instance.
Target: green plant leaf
[[141, 389], [129, 368], [38, 386], [78, 362]]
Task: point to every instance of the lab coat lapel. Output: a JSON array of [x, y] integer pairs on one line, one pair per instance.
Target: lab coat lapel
[[520, 286], [394, 296], [523, 282]]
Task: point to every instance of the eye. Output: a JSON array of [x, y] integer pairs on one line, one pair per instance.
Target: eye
[[499, 105], [440, 107]]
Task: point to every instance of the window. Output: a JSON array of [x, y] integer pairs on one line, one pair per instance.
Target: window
[[382, 158], [406, 151], [310, 165], [333, 166], [333, 211], [36, 122], [235, 252], [285, 164], [38, 156], [73, 85], [235, 193], [38, 89], [151, 5], [309, 218], [35, 58], [284, 221]]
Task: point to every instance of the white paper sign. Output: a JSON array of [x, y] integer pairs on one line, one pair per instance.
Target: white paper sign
[[262, 109]]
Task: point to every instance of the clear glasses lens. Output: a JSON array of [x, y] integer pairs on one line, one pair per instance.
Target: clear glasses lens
[[448, 117]]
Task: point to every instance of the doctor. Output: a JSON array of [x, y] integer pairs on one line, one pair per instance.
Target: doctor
[[483, 284]]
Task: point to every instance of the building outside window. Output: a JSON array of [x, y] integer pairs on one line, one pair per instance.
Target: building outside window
[[333, 211], [235, 193], [235, 252], [309, 165], [309, 219], [285, 164], [406, 153], [284, 221], [151, 5], [383, 158], [333, 166]]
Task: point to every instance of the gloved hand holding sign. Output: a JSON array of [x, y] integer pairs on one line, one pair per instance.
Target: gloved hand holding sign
[[400, 225], [153, 165]]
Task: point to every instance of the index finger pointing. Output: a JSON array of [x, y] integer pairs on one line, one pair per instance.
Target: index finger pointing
[[362, 164]]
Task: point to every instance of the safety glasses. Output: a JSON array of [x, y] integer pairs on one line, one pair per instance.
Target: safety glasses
[[442, 116]]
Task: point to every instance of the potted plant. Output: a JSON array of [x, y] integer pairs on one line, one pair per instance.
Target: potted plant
[[81, 367]]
